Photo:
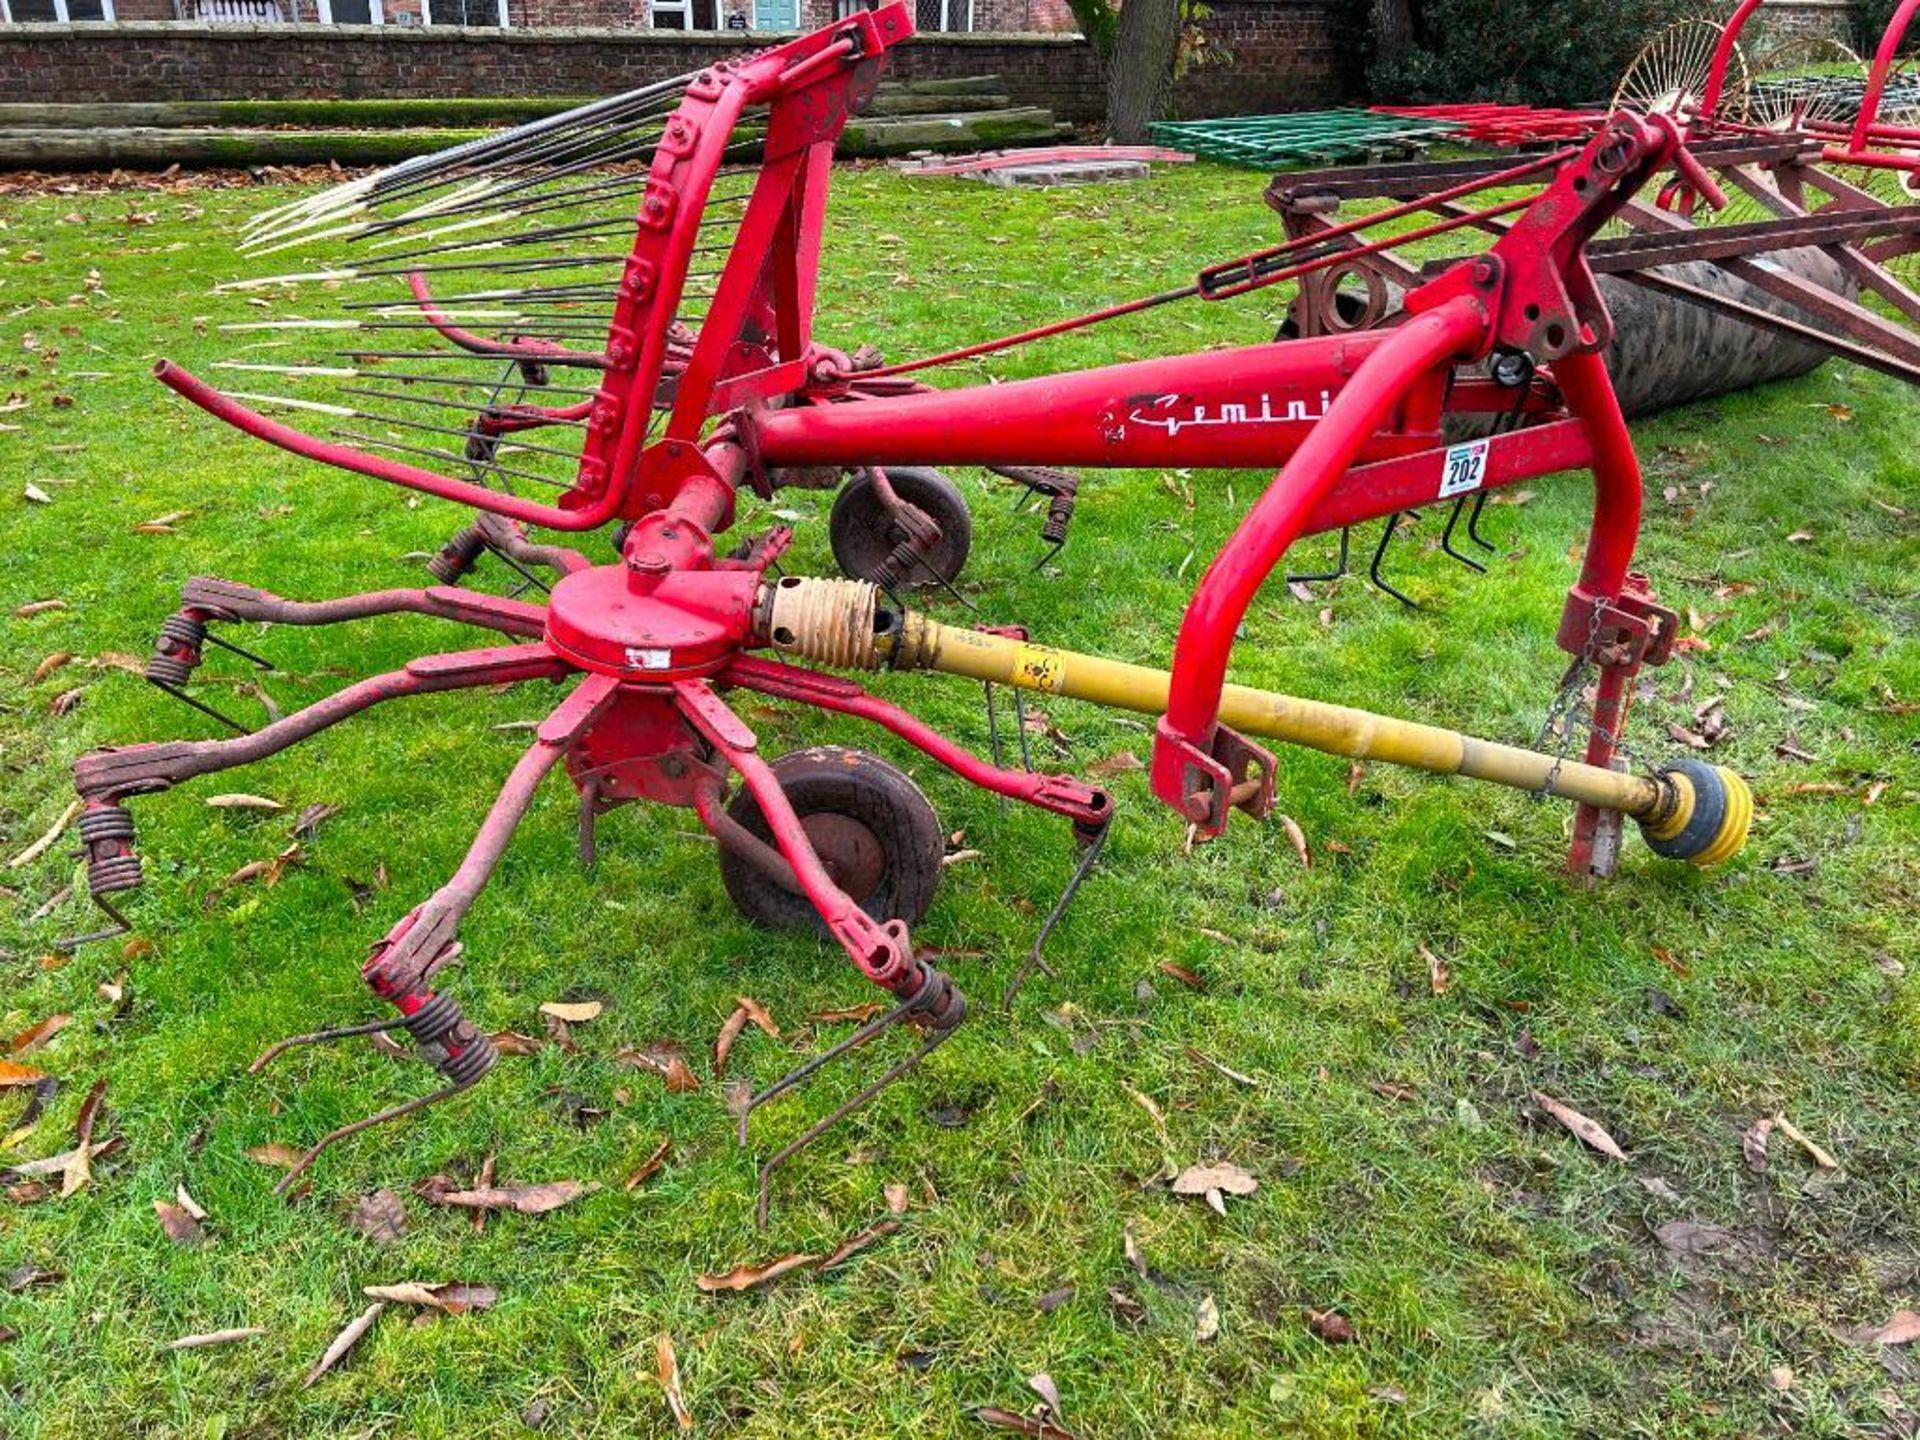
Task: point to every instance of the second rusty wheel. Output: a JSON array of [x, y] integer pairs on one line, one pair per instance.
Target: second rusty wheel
[[864, 534], [874, 830]]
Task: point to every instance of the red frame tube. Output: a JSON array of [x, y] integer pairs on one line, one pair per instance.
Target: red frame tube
[[1407, 357]]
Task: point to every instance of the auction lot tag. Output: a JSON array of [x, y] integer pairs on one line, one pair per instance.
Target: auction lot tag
[[1464, 468]]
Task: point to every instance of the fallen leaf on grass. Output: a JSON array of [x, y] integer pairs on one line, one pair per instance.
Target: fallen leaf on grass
[[1815, 1152], [512, 1042], [381, 1217], [243, 802], [12, 1074], [1185, 976], [182, 1227], [648, 1167], [666, 1365], [896, 1195], [44, 1092], [78, 1170], [573, 1013], [1206, 1319], [52, 663], [855, 1243], [283, 1157], [448, 1297], [1117, 764], [751, 1277], [521, 1199], [1753, 1143], [1331, 1326], [665, 1060], [1215, 1182], [1692, 1237], [311, 818], [1439, 977], [1201, 1058], [1589, 1132], [1665, 957], [994, 1418], [723, 1042], [47, 841], [856, 1013], [343, 1342], [1053, 1299], [1902, 1329], [757, 1013], [32, 1038], [214, 1337], [1298, 838]]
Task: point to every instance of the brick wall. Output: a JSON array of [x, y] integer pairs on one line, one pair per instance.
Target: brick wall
[[1284, 54], [1781, 19]]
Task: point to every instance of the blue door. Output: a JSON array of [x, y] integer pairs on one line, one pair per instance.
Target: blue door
[[776, 14]]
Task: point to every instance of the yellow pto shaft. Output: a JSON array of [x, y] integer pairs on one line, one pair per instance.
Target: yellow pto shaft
[[839, 622]]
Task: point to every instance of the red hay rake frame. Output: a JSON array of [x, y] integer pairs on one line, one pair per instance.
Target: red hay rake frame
[[1353, 425]]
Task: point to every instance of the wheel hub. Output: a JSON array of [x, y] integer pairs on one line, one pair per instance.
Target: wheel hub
[[850, 851]]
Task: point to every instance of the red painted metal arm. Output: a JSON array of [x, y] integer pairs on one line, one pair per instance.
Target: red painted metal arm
[[1883, 59], [222, 407], [1723, 57], [1407, 358], [1616, 473], [524, 348]]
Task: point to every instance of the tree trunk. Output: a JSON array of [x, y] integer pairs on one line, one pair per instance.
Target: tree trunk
[[1391, 27], [1140, 73]]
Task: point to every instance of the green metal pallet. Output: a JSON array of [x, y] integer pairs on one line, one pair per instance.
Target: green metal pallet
[[1307, 137]]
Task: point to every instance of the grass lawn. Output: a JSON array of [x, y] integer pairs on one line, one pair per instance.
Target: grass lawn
[[1499, 1277]]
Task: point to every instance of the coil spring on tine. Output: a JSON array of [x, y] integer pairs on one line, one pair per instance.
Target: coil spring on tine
[[109, 874], [186, 633], [1059, 513], [435, 1022], [457, 556]]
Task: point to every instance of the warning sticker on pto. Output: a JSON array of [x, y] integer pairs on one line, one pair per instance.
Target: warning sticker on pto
[[1464, 468]]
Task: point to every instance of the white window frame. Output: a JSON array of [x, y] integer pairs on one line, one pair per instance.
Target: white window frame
[[60, 13], [377, 13], [426, 13]]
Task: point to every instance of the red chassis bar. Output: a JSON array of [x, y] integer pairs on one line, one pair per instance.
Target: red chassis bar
[[1322, 407]]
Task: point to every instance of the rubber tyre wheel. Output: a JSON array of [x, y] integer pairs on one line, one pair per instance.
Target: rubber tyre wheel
[[876, 832], [863, 534]]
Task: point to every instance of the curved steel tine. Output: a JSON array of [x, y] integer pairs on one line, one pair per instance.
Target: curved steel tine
[[185, 699], [68, 944], [392, 1112], [1034, 960], [833, 1052], [1380, 553], [1340, 565], [1446, 538], [241, 651], [1020, 725], [840, 1112], [1473, 522], [318, 1037]]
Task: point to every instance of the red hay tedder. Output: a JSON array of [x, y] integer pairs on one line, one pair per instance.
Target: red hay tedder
[[515, 265]]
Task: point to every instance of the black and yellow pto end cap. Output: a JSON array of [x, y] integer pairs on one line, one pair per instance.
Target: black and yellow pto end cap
[[1710, 814]]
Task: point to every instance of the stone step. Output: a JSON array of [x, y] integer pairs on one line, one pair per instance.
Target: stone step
[[908, 103], [986, 130], [136, 148], [453, 113]]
